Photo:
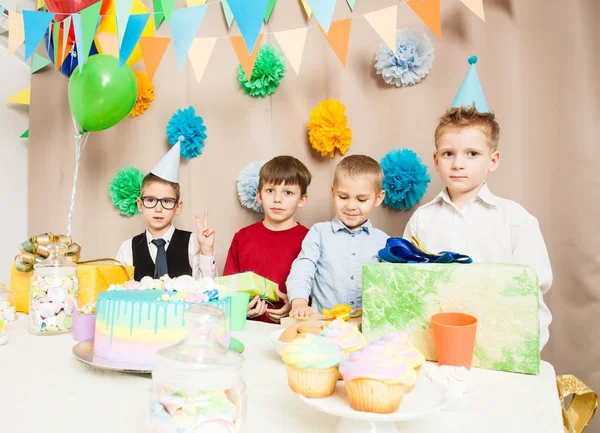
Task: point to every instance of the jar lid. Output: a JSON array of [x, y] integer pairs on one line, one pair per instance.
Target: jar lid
[[56, 258]]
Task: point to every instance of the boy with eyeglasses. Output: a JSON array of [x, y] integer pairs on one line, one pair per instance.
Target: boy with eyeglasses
[[162, 249]]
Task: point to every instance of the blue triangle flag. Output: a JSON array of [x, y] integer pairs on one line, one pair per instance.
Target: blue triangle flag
[[323, 10], [249, 16], [135, 27], [184, 26], [35, 24], [2, 9], [470, 91]]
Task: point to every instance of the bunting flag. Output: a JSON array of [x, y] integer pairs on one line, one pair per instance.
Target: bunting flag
[[249, 17], [2, 9], [307, 9], [123, 8], [269, 11], [385, 22], [247, 60], [323, 10], [429, 11], [23, 97], [199, 53], [56, 38], [476, 7], [66, 29], [292, 43], [109, 43], [192, 3], [35, 25], [40, 5], [339, 37], [135, 27], [167, 6], [159, 15], [227, 12], [16, 32], [25, 134], [351, 3], [38, 63], [184, 26], [85, 24], [153, 50]]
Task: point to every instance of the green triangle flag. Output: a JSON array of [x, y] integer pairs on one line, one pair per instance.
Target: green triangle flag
[[25, 134], [89, 23], [351, 3], [168, 9], [159, 15], [269, 11], [38, 63]]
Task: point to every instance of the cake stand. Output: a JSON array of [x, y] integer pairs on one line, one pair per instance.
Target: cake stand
[[424, 400]]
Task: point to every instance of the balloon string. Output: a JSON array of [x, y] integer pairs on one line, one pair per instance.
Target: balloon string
[[80, 141]]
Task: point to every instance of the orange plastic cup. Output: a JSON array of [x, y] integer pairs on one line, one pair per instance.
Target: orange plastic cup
[[454, 338]]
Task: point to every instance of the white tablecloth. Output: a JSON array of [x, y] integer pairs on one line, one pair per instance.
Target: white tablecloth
[[44, 389]]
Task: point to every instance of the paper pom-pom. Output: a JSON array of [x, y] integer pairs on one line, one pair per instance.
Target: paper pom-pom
[[145, 94], [405, 178], [187, 128], [328, 128], [410, 63], [247, 184], [268, 71], [124, 190]]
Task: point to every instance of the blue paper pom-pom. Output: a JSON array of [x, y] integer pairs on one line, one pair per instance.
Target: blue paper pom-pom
[[187, 128], [247, 184], [410, 63], [405, 178]]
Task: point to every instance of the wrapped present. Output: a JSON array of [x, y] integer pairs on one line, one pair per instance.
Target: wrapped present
[[252, 283], [35, 250], [504, 298], [94, 278]]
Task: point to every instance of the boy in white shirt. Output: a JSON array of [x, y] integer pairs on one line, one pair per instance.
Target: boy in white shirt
[[466, 217]]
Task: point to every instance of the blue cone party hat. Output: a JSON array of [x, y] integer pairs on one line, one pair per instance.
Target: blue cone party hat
[[470, 91]]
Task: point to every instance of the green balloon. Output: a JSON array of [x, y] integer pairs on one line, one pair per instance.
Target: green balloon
[[101, 94]]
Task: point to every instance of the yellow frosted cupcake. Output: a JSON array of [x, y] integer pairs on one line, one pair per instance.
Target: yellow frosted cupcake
[[377, 379], [312, 366], [345, 335], [399, 342]]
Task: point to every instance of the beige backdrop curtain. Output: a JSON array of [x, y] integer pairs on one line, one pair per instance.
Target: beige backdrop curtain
[[539, 67]]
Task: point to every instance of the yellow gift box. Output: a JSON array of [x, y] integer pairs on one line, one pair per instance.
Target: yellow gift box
[[93, 279], [251, 283]]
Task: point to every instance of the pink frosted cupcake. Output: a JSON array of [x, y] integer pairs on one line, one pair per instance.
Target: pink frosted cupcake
[[399, 342], [377, 379]]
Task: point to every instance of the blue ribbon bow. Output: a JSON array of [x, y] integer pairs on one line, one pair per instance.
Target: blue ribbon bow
[[398, 250]]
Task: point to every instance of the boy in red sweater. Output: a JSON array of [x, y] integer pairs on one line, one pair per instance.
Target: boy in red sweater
[[270, 246]]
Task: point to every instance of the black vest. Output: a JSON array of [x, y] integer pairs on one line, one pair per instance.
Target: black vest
[[178, 261]]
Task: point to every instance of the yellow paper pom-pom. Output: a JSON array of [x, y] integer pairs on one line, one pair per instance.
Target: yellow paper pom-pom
[[145, 94], [328, 128]]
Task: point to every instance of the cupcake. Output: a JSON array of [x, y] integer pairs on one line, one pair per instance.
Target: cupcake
[[312, 366], [377, 378], [345, 335], [399, 342]]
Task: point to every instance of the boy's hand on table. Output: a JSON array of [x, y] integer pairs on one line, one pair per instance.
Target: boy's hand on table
[[300, 309]]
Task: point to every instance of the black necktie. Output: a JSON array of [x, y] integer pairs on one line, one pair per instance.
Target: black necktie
[[160, 265]]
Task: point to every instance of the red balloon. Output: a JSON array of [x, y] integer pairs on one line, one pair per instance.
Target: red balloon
[[63, 8]]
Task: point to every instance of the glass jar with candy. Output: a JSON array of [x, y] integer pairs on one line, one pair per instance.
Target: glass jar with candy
[[8, 304], [53, 293], [197, 382]]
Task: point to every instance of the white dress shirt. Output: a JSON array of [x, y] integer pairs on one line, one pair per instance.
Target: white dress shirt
[[202, 266], [489, 229]]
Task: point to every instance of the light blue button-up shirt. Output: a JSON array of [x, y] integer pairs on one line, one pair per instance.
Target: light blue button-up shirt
[[329, 267]]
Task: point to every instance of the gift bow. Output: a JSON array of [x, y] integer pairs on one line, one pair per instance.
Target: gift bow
[[341, 311], [398, 250], [35, 250]]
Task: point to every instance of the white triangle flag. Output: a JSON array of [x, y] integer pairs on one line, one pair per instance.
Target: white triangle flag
[[384, 22], [476, 7], [292, 43], [199, 53]]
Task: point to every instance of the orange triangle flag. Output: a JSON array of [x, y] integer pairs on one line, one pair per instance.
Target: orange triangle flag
[[109, 43], [153, 50], [429, 12], [338, 38], [247, 60]]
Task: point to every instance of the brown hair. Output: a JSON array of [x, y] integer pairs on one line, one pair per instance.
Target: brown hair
[[360, 166], [287, 170], [458, 118], [152, 178]]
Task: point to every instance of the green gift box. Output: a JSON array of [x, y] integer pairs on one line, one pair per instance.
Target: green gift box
[[504, 298], [251, 283]]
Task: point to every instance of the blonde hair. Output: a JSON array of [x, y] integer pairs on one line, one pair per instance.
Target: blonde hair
[[360, 166], [459, 118], [287, 170]]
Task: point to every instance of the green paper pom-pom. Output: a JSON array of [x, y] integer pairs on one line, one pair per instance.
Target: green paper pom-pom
[[268, 71], [124, 190]]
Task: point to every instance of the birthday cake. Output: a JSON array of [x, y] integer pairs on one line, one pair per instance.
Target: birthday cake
[[136, 319]]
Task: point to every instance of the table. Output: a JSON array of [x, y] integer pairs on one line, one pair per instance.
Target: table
[[45, 389]]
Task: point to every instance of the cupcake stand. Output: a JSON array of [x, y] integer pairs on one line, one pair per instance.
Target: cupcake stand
[[425, 399]]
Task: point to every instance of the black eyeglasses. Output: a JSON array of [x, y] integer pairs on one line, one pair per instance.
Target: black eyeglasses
[[166, 203]]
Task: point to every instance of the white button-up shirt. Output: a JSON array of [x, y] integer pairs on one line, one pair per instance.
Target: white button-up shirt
[[489, 229], [202, 266]]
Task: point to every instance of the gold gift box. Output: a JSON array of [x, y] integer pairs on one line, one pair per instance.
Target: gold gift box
[[93, 279]]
